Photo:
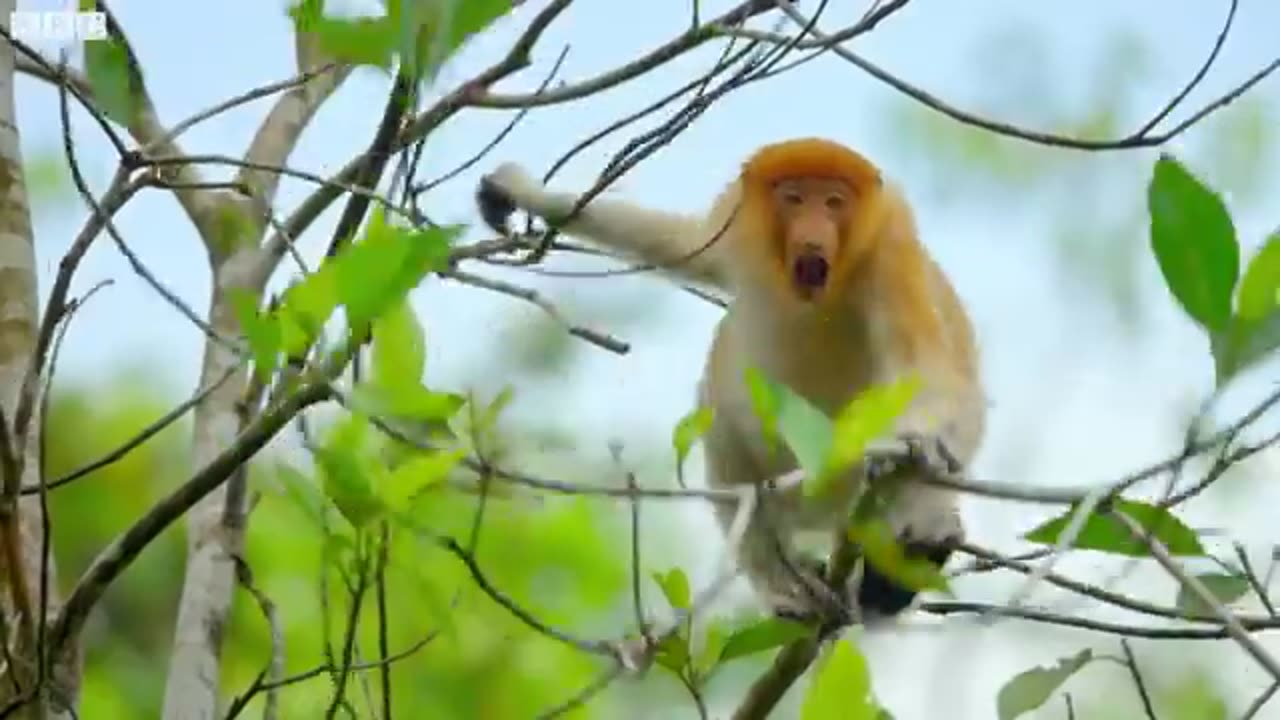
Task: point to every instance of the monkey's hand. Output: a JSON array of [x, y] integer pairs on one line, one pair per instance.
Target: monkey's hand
[[508, 188], [922, 452]]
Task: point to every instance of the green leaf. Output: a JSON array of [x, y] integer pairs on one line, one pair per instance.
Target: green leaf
[[865, 418], [808, 433], [1194, 243], [468, 18], [1243, 344], [413, 402], [399, 348], [305, 307], [420, 472], [675, 586], [386, 264], [841, 687], [488, 417], [1225, 589], [303, 493], [430, 31], [881, 549], [1259, 293], [358, 41], [107, 68], [673, 653], [349, 476], [1031, 688], [689, 429], [1105, 533], [714, 637], [764, 401], [262, 332], [761, 636]]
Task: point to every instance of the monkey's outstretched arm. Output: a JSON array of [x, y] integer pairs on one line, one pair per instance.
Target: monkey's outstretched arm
[[665, 239]]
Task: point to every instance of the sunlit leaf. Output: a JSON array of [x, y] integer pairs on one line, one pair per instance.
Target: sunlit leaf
[[673, 652], [1259, 293], [881, 550], [714, 635], [399, 348], [388, 262], [305, 307], [411, 402], [1225, 589], [302, 493], [808, 433], [691, 427], [1106, 533], [488, 417], [262, 332], [1194, 242], [107, 68], [1244, 343], [675, 587], [840, 688], [359, 40], [418, 473], [761, 636], [349, 476], [1031, 688], [868, 416], [765, 402]]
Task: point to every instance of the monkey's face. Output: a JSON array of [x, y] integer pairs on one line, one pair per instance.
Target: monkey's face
[[813, 218]]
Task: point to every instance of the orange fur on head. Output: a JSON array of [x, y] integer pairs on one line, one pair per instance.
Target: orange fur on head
[[809, 157], [810, 162]]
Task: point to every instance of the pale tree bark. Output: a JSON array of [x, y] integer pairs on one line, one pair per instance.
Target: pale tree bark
[[215, 526], [21, 518]]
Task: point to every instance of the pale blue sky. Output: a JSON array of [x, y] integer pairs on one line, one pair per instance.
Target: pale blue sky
[[1070, 403]]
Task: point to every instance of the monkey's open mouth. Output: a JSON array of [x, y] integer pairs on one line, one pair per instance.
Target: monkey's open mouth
[[809, 272]]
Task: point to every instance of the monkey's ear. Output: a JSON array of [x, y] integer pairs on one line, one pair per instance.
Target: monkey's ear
[[495, 204]]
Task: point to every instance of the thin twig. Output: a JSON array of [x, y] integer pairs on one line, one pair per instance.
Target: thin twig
[[1255, 707], [1195, 79], [1132, 662], [529, 295]]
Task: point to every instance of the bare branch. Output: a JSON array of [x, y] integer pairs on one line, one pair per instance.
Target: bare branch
[[599, 339], [122, 551], [1202, 593], [1255, 707], [1043, 138], [1195, 79]]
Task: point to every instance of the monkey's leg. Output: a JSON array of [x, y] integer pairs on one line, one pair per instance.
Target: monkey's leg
[[787, 581], [926, 523]]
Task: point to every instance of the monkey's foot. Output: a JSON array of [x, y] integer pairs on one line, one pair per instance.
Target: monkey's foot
[[881, 597], [804, 596]]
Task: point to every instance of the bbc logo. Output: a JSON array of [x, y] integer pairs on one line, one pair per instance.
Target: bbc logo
[[58, 25]]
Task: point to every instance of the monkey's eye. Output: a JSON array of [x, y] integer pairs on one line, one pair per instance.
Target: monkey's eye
[[792, 197], [835, 202]]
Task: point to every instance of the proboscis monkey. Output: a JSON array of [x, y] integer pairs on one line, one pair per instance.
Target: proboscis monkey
[[832, 292]]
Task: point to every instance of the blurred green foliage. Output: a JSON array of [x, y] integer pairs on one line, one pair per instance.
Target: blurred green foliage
[[562, 559]]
